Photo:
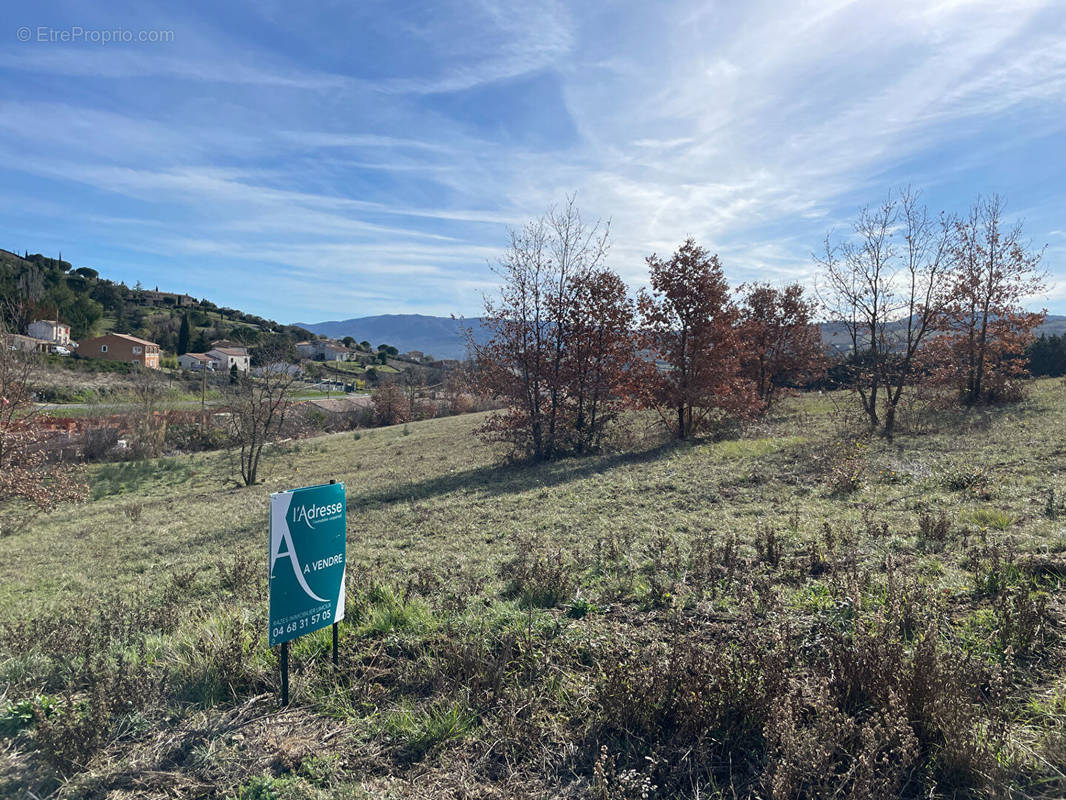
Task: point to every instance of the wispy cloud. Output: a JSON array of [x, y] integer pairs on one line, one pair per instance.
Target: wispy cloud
[[364, 143]]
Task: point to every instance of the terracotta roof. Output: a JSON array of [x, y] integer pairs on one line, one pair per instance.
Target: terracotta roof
[[125, 336]]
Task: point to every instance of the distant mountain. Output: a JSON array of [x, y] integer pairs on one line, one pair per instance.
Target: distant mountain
[[835, 335], [443, 337], [440, 337]]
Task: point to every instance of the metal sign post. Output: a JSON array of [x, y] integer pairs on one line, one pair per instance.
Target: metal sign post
[[307, 562]]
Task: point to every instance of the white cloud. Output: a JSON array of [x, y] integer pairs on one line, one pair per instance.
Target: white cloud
[[753, 127]]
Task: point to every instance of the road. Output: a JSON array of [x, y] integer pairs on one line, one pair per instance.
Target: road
[[106, 409]]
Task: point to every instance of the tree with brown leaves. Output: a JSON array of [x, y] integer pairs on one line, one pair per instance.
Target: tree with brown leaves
[[601, 357], [30, 481], [689, 323], [552, 355], [781, 344], [391, 404], [982, 351]]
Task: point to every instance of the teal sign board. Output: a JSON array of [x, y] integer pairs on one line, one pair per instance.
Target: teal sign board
[[307, 555]]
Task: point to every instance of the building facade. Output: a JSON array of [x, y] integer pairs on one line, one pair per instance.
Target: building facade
[[121, 347], [49, 330], [227, 357], [197, 361]]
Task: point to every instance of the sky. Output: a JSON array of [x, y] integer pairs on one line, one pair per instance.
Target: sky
[[326, 160]]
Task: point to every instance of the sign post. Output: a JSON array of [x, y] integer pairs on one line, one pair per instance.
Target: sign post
[[307, 558]]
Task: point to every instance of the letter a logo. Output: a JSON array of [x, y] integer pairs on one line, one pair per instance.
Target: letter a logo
[[280, 535]]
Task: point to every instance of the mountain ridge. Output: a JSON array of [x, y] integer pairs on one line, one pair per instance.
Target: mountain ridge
[[444, 337], [440, 337]]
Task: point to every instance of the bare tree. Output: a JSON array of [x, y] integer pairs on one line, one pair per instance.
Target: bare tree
[[258, 405], [29, 481], [149, 387], [887, 285], [988, 329], [524, 362]]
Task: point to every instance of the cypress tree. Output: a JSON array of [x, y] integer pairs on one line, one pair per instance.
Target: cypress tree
[[183, 335]]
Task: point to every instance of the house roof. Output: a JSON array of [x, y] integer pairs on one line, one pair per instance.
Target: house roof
[[125, 336], [229, 351], [197, 356]]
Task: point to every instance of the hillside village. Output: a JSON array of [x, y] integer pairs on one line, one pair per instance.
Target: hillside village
[[94, 318]]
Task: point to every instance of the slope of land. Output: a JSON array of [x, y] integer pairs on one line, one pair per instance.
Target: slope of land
[[773, 610], [93, 305]]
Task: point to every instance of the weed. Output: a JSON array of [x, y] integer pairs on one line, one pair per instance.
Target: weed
[[538, 575], [768, 545], [580, 608], [23, 713], [972, 479], [630, 784], [847, 468], [418, 732], [934, 528], [986, 518]]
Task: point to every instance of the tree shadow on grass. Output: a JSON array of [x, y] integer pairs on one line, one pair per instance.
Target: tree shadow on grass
[[509, 478]]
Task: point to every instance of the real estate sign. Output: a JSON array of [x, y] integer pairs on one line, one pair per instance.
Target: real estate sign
[[307, 555]]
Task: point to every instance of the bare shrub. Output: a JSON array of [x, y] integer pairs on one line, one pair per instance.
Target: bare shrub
[[391, 406], [539, 575], [866, 701], [99, 443], [934, 528]]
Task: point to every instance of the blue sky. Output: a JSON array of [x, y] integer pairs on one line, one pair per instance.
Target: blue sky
[[315, 161]]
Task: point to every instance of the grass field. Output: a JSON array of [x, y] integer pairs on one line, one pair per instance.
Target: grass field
[[791, 611]]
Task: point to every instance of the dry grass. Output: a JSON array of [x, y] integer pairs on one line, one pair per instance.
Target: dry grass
[[722, 616]]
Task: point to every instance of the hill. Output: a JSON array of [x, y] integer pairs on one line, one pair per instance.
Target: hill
[[708, 613], [441, 337], [38, 286], [444, 337], [835, 336]]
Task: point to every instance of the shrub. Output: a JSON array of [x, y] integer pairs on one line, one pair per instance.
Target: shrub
[[98, 444], [538, 575], [973, 479], [391, 406], [847, 468], [868, 703], [992, 518], [934, 528]]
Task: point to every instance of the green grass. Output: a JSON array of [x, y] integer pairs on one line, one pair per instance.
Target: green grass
[[463, 657]]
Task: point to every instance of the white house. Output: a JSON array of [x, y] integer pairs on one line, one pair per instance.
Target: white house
[[227, 357], [51, 331], [323, 350], [196, 361]]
